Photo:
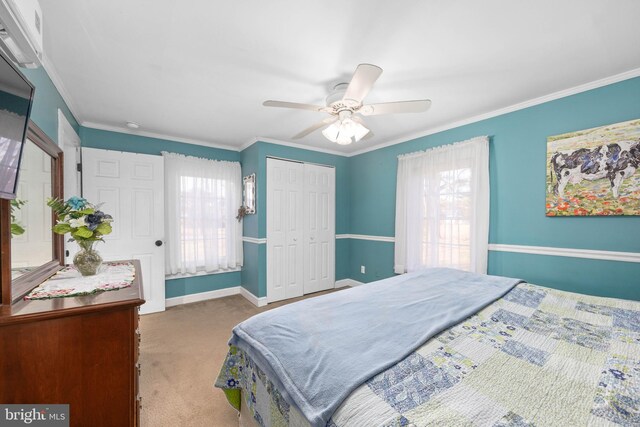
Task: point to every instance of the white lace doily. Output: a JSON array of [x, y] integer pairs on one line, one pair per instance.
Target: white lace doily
[[69, 282]]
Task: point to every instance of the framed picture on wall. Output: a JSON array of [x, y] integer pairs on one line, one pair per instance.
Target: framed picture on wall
[[594, 171]]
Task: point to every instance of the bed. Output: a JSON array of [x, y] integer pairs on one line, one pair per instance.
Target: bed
[[532, 356]]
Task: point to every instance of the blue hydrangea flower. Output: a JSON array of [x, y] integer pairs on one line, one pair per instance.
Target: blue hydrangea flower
[[77, 203], [93, 220]]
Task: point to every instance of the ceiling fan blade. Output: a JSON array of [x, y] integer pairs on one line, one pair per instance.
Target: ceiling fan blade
[[395, 107], [315, 127], [296, 105], [362, 81]]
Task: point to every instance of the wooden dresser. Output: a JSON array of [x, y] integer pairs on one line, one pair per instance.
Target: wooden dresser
[[82, 351]]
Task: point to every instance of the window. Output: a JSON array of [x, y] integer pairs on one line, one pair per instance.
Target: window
[[442, 208], [202, 200], [446, 229]]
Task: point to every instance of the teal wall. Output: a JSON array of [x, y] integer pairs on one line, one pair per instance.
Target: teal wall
[[107, 140], [254, 160], [517, 168], [204, 283], [250, 159], [365, 194], [589, 276], [46, 102], [254, 270]]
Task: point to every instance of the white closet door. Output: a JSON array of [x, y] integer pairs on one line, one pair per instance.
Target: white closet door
[[284, 230], [131, 188], [319, 228]]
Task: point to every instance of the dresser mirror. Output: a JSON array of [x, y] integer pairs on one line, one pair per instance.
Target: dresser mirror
[[35, 252]]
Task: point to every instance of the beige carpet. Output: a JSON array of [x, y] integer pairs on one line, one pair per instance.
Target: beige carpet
[[181, 352]]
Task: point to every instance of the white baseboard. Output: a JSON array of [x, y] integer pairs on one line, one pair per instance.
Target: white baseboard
[[258, 302], [201, 296], [347, 282], [219, 293]]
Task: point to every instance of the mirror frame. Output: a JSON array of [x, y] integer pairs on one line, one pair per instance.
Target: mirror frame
[[13, 290]]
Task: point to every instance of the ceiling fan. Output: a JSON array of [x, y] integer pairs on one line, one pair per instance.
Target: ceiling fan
[[344, 105]]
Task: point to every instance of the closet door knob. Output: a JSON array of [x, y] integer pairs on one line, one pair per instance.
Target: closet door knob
[[158, 242]]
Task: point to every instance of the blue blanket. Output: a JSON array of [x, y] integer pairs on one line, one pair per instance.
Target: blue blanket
[[317, 351]]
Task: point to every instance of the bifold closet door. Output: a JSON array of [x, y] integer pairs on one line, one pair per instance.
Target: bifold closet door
[[319, 228], [284, 230]]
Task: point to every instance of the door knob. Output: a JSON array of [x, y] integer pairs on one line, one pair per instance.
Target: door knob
[[158, 242], [295, 240]]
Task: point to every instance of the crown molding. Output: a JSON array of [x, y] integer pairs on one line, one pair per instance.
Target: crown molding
[[292, 144], [515, 107], [100, 126], [57, 82], [51, 71], [248, 144]]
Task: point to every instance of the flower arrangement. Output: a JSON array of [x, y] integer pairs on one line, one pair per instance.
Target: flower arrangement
[[83, 220]]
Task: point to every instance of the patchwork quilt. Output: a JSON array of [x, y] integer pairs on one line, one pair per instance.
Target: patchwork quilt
[[537, 356]]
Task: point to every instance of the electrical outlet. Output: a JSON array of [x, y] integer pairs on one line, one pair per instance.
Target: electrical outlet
[[362, 269]]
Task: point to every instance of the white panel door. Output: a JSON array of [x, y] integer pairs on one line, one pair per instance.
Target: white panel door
[[33, 247], [284, 230], [319, 228], [69, 141], [131, 188]]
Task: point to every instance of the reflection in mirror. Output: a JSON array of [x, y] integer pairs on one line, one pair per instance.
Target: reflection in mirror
[[31, 244], [249, 193]]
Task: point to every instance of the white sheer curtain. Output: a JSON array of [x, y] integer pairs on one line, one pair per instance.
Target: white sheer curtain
[[442, 208], [202, 200]]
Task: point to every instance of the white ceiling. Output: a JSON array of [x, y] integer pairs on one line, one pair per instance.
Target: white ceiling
[[200, 69]]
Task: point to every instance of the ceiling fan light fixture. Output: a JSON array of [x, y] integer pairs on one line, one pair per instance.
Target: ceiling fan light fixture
[[343, 140], [346, 108], [359, 131], [345, 132], [332, 132]]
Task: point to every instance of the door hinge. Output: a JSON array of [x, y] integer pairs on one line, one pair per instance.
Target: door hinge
[[79, 167]]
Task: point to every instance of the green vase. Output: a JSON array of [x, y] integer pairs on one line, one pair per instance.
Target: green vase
[[87, 261]]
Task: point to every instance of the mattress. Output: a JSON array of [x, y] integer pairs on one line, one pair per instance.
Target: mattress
[[536, 356]]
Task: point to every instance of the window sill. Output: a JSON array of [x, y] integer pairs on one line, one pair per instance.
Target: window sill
[[199, 273]]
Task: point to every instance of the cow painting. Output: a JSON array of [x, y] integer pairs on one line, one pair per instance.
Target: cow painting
[[613, 161], [595, 171]]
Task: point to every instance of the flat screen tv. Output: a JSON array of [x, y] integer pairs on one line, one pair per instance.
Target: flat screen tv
[[16, 97]]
